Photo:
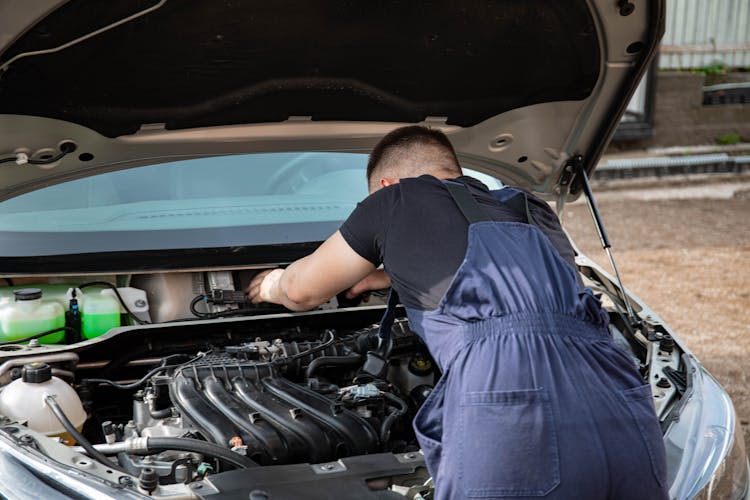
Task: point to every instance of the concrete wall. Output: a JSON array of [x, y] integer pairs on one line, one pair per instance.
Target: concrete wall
[[680, 119]]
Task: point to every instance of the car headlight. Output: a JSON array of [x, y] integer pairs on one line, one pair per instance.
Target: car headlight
[[705, 446]]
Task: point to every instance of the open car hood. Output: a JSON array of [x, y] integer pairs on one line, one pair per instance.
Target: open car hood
[[520, 86]]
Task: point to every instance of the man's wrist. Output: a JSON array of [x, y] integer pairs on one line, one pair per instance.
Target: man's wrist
[[269, 288], [277, 294]]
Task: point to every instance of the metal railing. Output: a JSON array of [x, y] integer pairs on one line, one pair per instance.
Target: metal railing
[[631, 168]]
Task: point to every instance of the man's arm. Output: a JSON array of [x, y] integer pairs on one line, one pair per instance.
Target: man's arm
[[314, 279], [376, 280]]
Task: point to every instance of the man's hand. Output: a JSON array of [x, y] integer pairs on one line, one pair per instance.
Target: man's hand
[[264, 287], [376, 280], [312, 280]]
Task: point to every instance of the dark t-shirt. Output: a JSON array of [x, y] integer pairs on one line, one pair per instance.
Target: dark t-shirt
[[415, 229]]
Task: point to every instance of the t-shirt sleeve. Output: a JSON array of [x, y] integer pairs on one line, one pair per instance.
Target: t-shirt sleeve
[[365, 229]]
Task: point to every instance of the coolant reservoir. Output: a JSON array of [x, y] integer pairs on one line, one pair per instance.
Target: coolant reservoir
[[23, 400], [100, 312], [26, 315]]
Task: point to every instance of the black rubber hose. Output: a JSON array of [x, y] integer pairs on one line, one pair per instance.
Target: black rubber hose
[[385, 427], [159, 414], [403, 408], [70, 428], [322, 347], [158, 444], [143, 380], [133, 385], [318, 363]]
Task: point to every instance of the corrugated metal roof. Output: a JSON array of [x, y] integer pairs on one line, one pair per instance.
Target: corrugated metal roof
[[700, 33]]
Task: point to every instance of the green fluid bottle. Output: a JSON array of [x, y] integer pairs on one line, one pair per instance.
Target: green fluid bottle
[[27, 314], [99, 313]]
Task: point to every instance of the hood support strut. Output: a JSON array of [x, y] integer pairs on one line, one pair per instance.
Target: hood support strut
[[578, 168]]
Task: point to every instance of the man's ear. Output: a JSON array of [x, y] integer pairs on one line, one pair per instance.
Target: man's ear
[[388, 181]]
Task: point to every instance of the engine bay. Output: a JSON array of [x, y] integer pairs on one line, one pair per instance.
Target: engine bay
[[196, 388]]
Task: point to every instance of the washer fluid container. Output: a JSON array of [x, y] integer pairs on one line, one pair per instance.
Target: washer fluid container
[[100, 312]]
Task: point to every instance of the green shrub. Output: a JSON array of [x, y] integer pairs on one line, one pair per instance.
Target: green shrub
[[728, 139]]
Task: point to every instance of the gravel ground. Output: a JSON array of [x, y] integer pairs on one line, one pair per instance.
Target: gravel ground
[[684, 249]]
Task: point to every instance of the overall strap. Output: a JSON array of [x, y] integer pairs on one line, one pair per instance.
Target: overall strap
[[520, 205], [376, 362], [473, 213], [516, 200], [384, 331], [466, 202]]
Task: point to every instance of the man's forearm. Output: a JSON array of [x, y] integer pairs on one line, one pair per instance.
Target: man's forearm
[[312, 280], [291, 295]]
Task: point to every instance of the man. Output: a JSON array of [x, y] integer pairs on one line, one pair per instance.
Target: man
[[535, 400]]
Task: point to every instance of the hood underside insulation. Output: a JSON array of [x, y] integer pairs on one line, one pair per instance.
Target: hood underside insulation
[[193, 64]]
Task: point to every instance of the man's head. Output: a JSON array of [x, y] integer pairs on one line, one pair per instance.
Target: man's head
[[410, 152]]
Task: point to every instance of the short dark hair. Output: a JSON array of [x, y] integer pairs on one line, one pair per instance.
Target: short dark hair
[[412, 150]]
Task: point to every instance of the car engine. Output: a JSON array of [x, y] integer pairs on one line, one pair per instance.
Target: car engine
[[198, 389], [298, 396]]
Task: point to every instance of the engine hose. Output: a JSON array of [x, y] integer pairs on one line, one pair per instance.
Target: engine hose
[[133, 385], [321, 347], [158, 444], [143, 380], [318, 363], [385, 427], [85, 444], [159, 414], [151, 445]]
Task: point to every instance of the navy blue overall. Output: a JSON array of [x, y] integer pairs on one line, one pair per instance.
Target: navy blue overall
[[535, 399]]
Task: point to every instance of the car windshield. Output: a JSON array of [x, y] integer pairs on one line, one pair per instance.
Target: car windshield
[[236, 200]]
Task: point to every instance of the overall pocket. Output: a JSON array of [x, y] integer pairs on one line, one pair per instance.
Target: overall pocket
[[508, 444], [640, 404], [428, 426]]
